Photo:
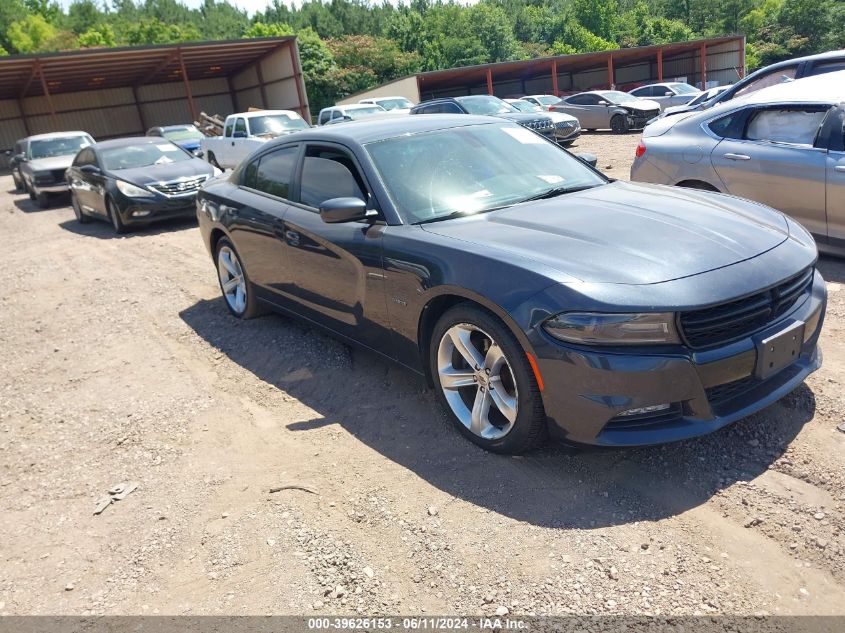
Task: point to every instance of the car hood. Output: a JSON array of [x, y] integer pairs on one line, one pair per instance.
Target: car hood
[[625, 233], [524, 117], [560, 117], [162, 173], [54, 162], [642, 104]]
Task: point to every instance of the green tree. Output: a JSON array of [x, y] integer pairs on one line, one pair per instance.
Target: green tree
[[32, 34], [599, 17], [222, 21], [98, 37], [259, 29], [83, 15]]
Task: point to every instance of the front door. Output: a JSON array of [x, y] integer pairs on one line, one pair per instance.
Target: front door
[[335, 273], [775, 162]]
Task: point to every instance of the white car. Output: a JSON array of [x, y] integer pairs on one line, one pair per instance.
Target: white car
[[45, 160], [396, 105], [244, 132], [351, 112], [668, 94], [544, 101], [567, 128]]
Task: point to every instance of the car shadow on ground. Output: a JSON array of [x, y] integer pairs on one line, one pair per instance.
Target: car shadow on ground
[[832, 268], [23, 203], [390, 410], [104, 231]]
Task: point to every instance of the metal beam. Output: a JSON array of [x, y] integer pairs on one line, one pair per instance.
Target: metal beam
[[164, 63], [554, 78], [489, 81], [660, 64], [262, 85], [138, 108], [304, 110], [232, 94], [610, 78], [46, 90], [742, 58], [29, 81], [23, 117], [186, 82], [703, 62]]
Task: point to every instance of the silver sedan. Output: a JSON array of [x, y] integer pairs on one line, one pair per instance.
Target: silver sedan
[[783, 146]]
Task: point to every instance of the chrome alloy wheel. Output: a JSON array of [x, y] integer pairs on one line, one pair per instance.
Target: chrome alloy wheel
[[232, 279], [477, 381]]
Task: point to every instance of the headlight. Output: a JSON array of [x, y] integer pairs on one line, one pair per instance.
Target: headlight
[[593, 328], [133, 191]]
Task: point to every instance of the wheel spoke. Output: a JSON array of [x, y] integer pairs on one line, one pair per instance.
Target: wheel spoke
[[239, 299], [479, 420], [231, 284], [460, 338], [451, 378], [494, 359], [225, 259], [505, 403]]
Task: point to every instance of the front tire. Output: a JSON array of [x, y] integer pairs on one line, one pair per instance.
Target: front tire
[[18, 182], [114, 216], [619, 124], [42, 200], [238, 291], [483, 379]]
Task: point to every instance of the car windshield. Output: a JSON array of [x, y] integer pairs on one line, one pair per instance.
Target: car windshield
[[614, 96], [363, 113], [547, 99], [187, 133], [484, 104], [472, 169], [62, 146], [526, 106], [395, 104], [142, 155], [275, 124], [684, 89]]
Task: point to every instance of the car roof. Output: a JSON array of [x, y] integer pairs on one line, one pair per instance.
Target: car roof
[[38, 137], [825, 88], [377, 129], [132, 140], [175, 126], [255, 113], [382, 98], [537, 95]]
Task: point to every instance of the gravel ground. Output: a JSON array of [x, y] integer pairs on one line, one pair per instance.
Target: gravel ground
[[120, 363]]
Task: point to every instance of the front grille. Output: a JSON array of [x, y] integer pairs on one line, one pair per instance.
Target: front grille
[[730, 390], [58, 175], [730, 321], [565, 125], [182, 187]]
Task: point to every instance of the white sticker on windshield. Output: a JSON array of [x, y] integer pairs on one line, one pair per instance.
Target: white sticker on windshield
[[551, 179], [168, 148], [524, 136]]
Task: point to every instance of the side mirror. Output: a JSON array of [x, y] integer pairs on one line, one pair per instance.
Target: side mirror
[[8, 152], [604, 103], [89, 169], [239, 135], [199, 153], [590, 159], [343, 210]]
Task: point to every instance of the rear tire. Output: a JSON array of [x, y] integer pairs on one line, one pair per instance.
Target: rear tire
[[490, 392], [77, 210], [18, 182], [238, 291], [619, 124], [116, 221]]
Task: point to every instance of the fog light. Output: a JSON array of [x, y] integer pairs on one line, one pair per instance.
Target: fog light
[[140, 214], [644, 410]]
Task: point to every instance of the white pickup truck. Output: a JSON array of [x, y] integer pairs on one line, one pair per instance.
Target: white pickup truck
[[244, 132]]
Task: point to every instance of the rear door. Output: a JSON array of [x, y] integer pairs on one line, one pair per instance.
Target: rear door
[[587, 110], [335, 274], [770, 155], [835, 174]]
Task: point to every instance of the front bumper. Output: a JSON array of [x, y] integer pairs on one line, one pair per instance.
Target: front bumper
[[586, 390], [61, 187], [140, 211]]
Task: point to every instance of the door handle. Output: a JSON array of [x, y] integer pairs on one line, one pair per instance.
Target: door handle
[[292, 237], [233, 143], [839, 168], [732, 156]]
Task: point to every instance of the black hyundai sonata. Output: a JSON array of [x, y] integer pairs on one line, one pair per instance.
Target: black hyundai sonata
[[136, 181], [536, 295]]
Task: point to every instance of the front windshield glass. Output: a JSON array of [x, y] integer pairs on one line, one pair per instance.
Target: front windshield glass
[[142, 155], [363, 113], [62, 146], [684, 89], [472, 169], [275, 124], [395, 104], [615, 96], [548, 99], [187, 133], [527, 106], [484, 104]]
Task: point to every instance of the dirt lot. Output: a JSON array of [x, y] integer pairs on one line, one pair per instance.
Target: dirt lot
[[121, 363]]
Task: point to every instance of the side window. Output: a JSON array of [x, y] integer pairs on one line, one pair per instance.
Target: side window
[[230, 126], [240, 126], [432, 109], [646, 91], [772, 78], [337, 114], [728, 126], [576, 100], [798, 126], [85, 157], [272, 173], [827, 67], [450, 108], [592, 99], [329, 173]]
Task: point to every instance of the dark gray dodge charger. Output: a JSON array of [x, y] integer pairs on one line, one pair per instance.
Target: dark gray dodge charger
[[537, 296]]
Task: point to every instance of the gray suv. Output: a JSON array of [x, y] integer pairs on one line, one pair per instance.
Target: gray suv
[[45, 159]]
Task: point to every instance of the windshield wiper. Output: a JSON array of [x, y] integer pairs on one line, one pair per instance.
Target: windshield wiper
[[452, 216], [556, 191]]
